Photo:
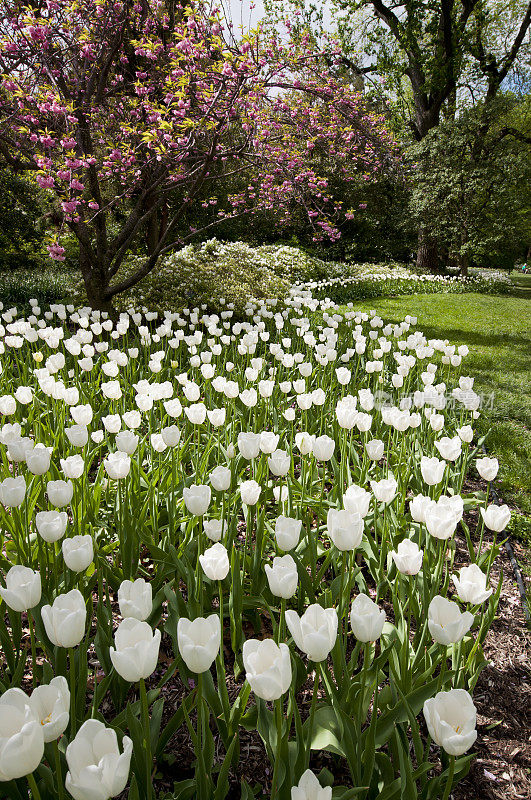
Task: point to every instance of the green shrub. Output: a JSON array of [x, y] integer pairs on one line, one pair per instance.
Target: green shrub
[[202, 274]]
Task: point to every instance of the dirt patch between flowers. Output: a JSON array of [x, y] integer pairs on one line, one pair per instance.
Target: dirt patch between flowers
[[502, 768]]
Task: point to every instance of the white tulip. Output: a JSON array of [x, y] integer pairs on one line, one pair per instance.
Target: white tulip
[[220, 478], [250, 492], [267, 667], [135, 599], [22, 739], [408, 557], [196, 413], [197, 499], [51, 525], [446, 623], [496, 518], [279, 463], [137, 650], [465, 433], [309, 788], [487, 468], [126, 442], [432, 470], [418, 507], [304, 442], [451, 720], [385, 489], [13, 491], [112, 423], [282, 577], [449, 449], [117, 465], [60, 492], [366, 619], [441, 521], [214, 529], [96, 768], [344, 529], [51, 706], [215, 562], [38, 460], [73, 466], [356, 500], [249, 445], [268, 441], [375, 449], [199, 641], [323, 448], [77, 435], [65, 619], [78, 552], [287, 532], [471, 585], [23, 588], [315, 632], [217, 416]]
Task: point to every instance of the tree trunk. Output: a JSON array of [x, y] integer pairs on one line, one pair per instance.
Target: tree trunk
[[462, 261], [95, 284], [96, 298], [427, 256]]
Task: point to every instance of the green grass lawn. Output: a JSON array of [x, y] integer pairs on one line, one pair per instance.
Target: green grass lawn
[[522, 282], [498, 332]]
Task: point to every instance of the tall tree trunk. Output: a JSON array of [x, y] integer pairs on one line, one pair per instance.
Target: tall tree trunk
[[462, 261], [96, 285], [427, 252]]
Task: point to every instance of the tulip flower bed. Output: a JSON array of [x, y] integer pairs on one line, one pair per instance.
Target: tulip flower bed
[[242, 510]]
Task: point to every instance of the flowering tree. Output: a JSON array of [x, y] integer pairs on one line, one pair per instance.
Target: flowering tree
[[116, 104]]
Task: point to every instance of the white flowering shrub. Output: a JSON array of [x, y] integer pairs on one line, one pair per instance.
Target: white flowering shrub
[[239, 274], [201, 274]]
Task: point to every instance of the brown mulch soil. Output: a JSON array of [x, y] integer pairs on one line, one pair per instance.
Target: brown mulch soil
[[502, 768]]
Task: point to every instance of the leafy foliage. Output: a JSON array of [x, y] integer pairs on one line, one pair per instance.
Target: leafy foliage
[[472, 185], [21, 242]]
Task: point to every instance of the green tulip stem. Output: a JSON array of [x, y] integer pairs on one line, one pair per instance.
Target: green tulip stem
[[33, 787], [363, 681], [278, 754], [441, 556], [202, 722], [147, 736], [222, 680], [72, 675], [58, 771], [55, 572], [321, 498], [312, 711], [440, 682], [171, 503], [450, 779], [33, 650], [481, 523], [341, 604], [282, 621]]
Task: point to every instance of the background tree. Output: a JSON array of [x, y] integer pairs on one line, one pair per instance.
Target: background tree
[[116, 106], [433, 56], [21, 222], [472, 190]]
